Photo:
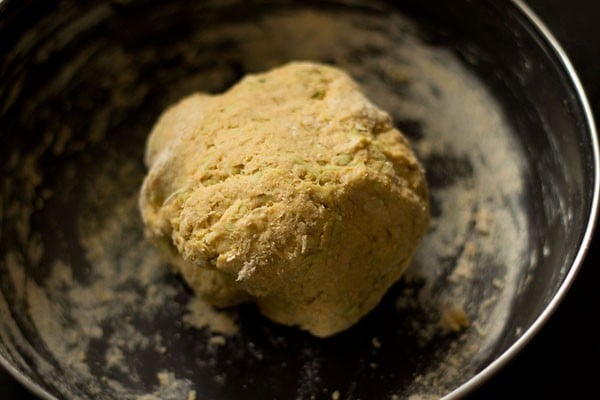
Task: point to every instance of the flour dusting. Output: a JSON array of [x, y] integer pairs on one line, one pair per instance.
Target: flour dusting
[[202, 315]]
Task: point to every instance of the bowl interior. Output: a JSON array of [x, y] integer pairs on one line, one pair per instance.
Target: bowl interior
[[90, 310]]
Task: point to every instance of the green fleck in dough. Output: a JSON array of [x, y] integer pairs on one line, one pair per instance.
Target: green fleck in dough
[[311, 209]]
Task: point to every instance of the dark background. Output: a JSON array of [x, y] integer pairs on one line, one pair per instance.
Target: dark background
[[562, 360]]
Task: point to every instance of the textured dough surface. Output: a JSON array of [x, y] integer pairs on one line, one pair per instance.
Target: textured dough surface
[[291, 190]]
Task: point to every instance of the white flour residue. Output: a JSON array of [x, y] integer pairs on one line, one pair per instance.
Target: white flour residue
[[481, 224], [124, 283]]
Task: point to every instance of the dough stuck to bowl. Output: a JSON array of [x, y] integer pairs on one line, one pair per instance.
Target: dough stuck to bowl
[[291, 190]]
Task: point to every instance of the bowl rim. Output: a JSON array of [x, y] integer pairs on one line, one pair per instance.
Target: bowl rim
[[23, 379], [495, 366]]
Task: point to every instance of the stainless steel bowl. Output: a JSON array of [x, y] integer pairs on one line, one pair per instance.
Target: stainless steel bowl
[[482, 89]]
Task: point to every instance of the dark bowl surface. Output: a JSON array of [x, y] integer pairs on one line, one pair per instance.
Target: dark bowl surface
[[89, 310]]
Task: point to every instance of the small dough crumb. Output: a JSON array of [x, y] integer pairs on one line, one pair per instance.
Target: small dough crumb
[[217, 340], [454, 319], [291, 190], [376, 342]]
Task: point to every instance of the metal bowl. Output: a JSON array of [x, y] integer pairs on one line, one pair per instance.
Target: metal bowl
[[485, 94]]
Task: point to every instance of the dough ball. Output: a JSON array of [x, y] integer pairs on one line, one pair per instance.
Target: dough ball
[[291, 190]]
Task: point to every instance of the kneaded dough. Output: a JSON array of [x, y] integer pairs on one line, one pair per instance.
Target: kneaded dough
[[291, 190]]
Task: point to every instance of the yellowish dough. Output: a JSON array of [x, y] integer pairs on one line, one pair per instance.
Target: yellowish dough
[[291, 190]]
